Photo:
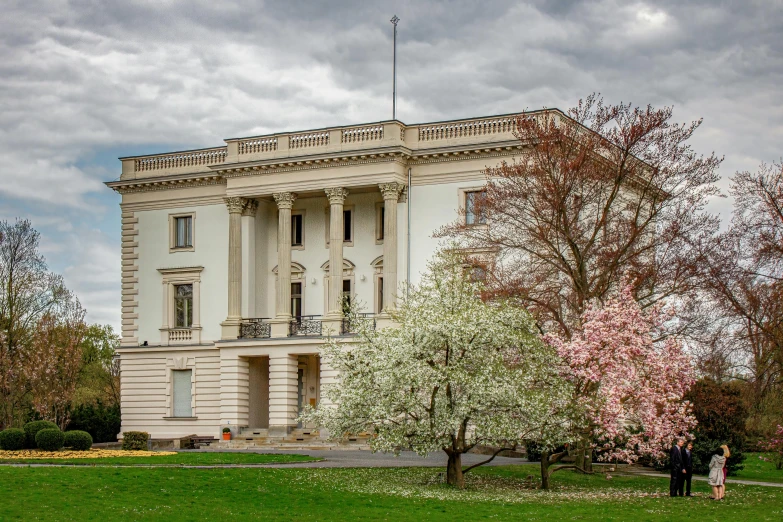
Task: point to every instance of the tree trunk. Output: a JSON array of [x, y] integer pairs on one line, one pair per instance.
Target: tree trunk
[[454, 476], [588, 460], [545, 470]]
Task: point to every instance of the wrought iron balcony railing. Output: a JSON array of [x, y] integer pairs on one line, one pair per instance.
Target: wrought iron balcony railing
[[255, 328], [305, 325], [351, 324]]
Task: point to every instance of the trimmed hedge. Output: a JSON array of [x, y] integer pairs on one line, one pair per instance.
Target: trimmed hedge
[[50, 439], [78, 440], [99, 420], [12, 439], [31, 429], [135, 440]]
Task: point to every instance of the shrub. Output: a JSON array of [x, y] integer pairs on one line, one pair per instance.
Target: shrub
[[135, 440], [50, 439], [31, 429], [12, 439], [78, 440], [100, 421]]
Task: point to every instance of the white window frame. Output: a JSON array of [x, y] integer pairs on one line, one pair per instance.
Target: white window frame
[[327, 225], [173, 232], [175, 364], [377, 265], [462, 204], [348, 274], [171, 277], [297, 276], [380, 233], [304, 227]]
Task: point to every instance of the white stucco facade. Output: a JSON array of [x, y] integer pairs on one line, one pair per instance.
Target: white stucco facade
[[251, 355]]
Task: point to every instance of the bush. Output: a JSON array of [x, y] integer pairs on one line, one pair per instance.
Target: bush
[[31, 429], [100, 421], [135, 440], [50, 439], [721, 413], [12, 439], [78, 440]]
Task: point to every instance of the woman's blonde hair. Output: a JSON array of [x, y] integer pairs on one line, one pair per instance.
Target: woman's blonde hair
[[726, 452]]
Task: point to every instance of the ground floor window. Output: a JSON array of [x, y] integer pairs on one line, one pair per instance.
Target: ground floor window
[[182, 395]]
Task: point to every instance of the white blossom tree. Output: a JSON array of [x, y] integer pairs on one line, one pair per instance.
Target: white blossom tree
[[456, 372]]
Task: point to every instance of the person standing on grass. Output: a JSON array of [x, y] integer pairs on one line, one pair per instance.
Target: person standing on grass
[[678, 469], [715, 478], [687, 458], [726, 454]]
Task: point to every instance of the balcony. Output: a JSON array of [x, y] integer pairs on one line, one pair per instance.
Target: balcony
[[306, 325], [255, 328], [352, 325]]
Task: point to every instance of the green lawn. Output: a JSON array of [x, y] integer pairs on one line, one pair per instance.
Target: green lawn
[[95, 493], [757, 469], [182, 458]]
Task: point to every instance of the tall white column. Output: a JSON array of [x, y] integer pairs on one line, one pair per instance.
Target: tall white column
[[283, 371], [391, 195], [248, 258], [230, 327], [336, 201], [285, 202]]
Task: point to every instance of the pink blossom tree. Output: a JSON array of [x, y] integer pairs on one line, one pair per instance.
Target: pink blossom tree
[[628, 387], [774, 448]]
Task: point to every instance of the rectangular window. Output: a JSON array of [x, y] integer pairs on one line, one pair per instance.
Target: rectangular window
[[380, 224], [297, 230], [182, 385], [346, 296], [183, 306], [474, 211], [183, 232], [347, 226], [379, 297], [296, 299]]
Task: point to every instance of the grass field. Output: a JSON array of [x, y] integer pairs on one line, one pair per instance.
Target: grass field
[[102, 493], [182, 458], [757, 469]]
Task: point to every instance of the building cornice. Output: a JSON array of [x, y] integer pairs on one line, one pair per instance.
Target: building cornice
[[131, 186]]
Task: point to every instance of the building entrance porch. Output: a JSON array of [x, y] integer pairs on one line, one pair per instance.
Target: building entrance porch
[[267, 392]]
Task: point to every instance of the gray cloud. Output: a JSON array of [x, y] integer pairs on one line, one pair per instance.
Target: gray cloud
[[80, 78]]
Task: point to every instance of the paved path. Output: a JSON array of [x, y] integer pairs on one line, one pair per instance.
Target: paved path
[[367, 459], [730, 480]]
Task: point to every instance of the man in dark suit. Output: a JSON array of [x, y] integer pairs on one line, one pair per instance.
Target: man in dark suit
[[687, 462], [678, 468]]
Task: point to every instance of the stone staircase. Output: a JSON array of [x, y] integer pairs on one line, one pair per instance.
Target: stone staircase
[[298, 439]]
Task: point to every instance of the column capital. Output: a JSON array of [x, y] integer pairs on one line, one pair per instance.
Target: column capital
[[284, 199], [336, 195], [391, 191], [235, 204], [251, 206]]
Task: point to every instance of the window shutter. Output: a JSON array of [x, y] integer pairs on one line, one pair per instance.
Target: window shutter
[[182, 396]]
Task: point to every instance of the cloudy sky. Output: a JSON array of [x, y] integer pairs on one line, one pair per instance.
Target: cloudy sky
[[83, 82]]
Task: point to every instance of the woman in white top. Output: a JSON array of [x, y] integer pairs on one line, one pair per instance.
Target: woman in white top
[[715, 478]]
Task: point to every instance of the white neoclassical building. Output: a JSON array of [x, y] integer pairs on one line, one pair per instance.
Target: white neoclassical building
[[235, 260]]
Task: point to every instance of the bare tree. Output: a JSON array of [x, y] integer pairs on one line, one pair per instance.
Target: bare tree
[[743, 277], [601, 194], [28, 291]]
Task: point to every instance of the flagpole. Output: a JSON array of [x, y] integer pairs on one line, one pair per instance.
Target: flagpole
[[394, 21]]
